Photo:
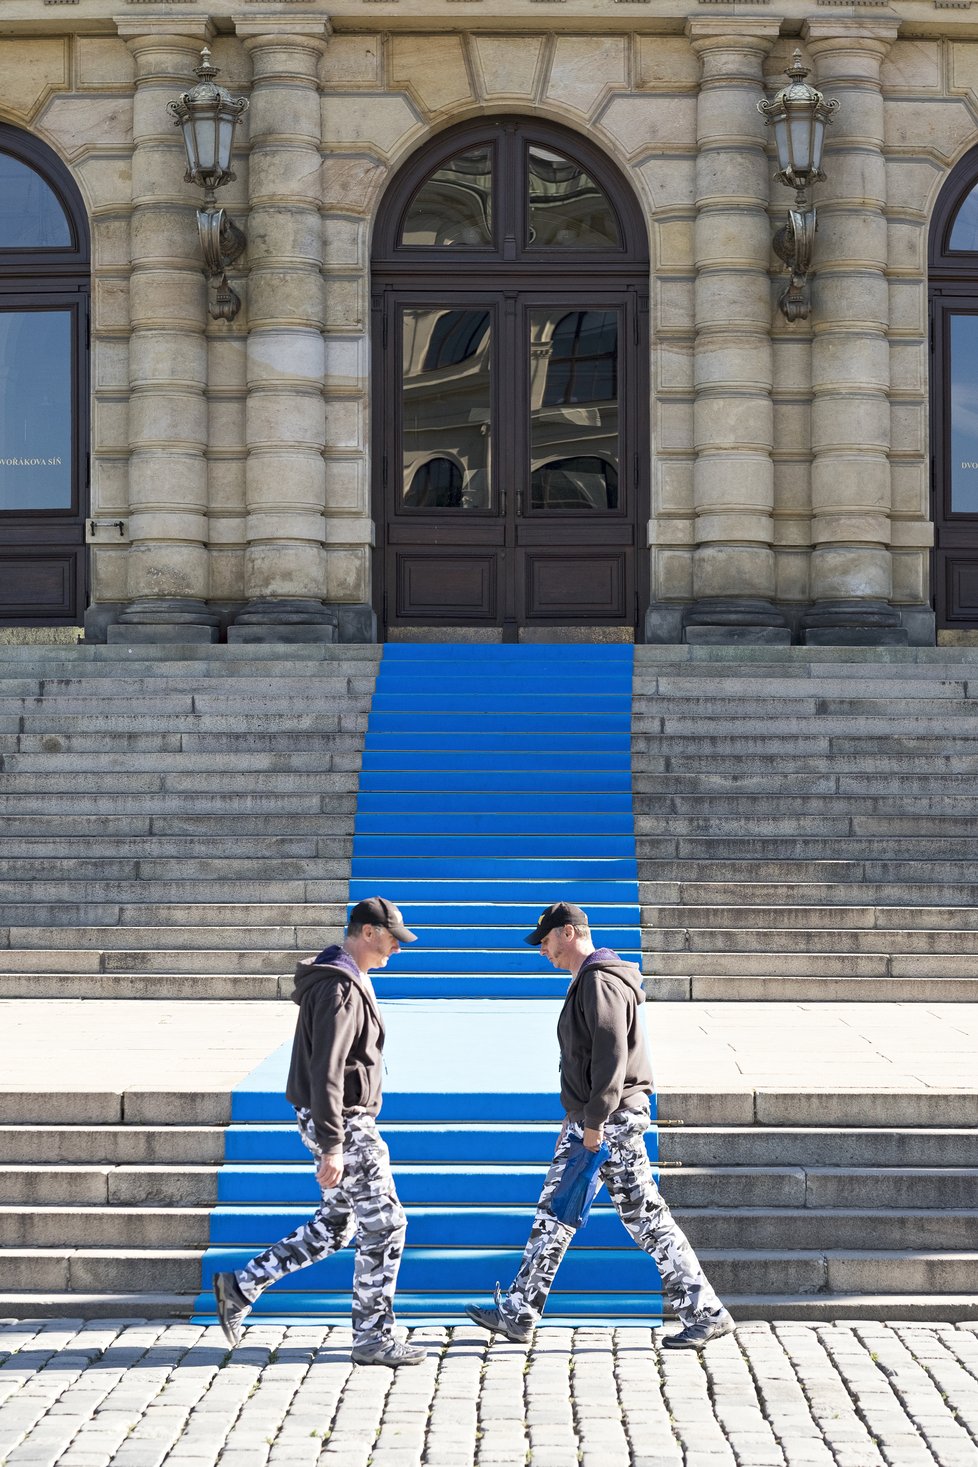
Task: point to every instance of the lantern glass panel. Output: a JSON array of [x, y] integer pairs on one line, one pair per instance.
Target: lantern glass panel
[[190, 144], [801, 141], [818, 140], [782, 143], [225, 142], [206, 142]]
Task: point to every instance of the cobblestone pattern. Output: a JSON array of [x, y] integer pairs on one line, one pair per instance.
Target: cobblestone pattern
[[136, 1393]]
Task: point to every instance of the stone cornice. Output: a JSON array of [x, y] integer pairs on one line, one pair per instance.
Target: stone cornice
[[954, 19]]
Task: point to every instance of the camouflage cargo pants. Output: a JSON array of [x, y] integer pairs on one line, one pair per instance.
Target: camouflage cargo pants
[[363, 1207], [631, 1187]]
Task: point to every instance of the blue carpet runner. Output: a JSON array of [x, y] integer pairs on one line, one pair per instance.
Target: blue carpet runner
[[495, 780]]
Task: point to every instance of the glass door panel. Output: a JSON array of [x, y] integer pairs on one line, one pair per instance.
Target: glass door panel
[[964, 413], [446, 409], [575, 452], [36, 409]]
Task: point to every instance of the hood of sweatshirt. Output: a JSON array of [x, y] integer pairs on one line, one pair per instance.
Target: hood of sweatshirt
[[608, 961], [322, 969]]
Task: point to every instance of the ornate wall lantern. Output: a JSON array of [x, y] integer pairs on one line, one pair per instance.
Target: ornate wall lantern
[[208, 115], [798, 115]]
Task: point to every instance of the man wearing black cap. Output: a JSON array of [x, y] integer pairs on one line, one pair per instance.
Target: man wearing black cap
[[335, 1086], [605, 1083]]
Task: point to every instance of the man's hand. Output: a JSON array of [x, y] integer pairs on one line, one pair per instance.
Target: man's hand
[[330, 1170], [593, 1138]]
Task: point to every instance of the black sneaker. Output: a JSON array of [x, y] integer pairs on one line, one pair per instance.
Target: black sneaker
[[389, 1351], [232, 1306], [695, 1336], [496, 1322]]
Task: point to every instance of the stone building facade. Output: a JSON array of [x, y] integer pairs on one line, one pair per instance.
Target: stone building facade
[[775, 483]]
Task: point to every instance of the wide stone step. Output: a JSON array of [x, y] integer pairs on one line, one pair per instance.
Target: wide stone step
[[123, 1227], [824, 785], [691, 940], [808, 848], [150, 941], [837, 1146], [175, 653], [801, 685], [819, 872], [22, 982], [202, 916], [808, 988], [918, 811], [807, 895], [119, 787], [850, 726], [276, 806], [33, 860], [899, 920], [110, 762], [62, 1185], [137, 1146], [68, 894], [50, 721]]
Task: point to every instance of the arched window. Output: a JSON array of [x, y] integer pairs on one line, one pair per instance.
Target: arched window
[[510, 278], [44, 284]]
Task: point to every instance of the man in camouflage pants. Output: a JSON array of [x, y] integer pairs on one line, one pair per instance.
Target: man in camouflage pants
[[606, 1080], [335, 1082]]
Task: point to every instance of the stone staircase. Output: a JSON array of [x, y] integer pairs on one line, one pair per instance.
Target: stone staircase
[[807, 822], [175, 827]]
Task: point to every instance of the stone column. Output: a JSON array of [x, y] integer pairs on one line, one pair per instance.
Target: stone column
[[733, 477], [851, 564], [285, 564], [167, 570]]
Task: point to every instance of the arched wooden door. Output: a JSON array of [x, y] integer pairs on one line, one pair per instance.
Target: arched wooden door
[[44, 291], [510, 292]]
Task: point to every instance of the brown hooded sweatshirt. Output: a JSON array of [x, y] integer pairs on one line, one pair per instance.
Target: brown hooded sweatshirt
[[604, 1059], [337, 1053]]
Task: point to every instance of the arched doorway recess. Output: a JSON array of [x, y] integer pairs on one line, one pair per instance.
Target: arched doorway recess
[[44, 289], [510, 293], [954, 396]]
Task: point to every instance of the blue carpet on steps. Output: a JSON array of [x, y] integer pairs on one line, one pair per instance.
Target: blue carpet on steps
[[496, 779]]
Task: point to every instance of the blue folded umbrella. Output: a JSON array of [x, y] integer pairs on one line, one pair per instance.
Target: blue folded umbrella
[[577, 1188]]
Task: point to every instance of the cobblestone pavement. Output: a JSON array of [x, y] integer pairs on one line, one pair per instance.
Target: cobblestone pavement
[[142, 1393]]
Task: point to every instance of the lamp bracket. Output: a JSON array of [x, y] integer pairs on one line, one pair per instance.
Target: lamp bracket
[[222, 242], [794, 243]]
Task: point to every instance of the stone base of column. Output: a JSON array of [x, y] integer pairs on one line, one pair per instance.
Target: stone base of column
[[735, 621], [853, 623], [284, 619], [150, 620]]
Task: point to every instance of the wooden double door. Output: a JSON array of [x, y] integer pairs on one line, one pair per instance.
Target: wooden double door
[[512, 417]]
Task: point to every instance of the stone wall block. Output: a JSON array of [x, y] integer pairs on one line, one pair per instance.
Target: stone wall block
[[351, 60], [843, 572], [910, 579], [723, 177], [667, 63], [733, 426], [855, 176], [584, 68], [164, 569], [369, 120], [645, 124], [349, 574], [911, 489], [733, 570], [158, 357], [856, 421], [280, 233], [913, 66], [847, 302], [733, 523], [292, 357], [507, 66], [165, 234], [161, 414], [731, 239], [848, 239], [846, 481], [747, 486], [731, 300], [289, 523], [432, 68], [845, 528], [173, 299], [306, 575], [733, 361], [296, 297], [860, 361], [285, 174], [293, 113], [304, 428]]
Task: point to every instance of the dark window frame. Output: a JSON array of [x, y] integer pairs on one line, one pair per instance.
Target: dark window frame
[[53, 278]]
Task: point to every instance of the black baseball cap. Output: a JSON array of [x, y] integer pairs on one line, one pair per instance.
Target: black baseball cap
[[379, 912], [558, 914]]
